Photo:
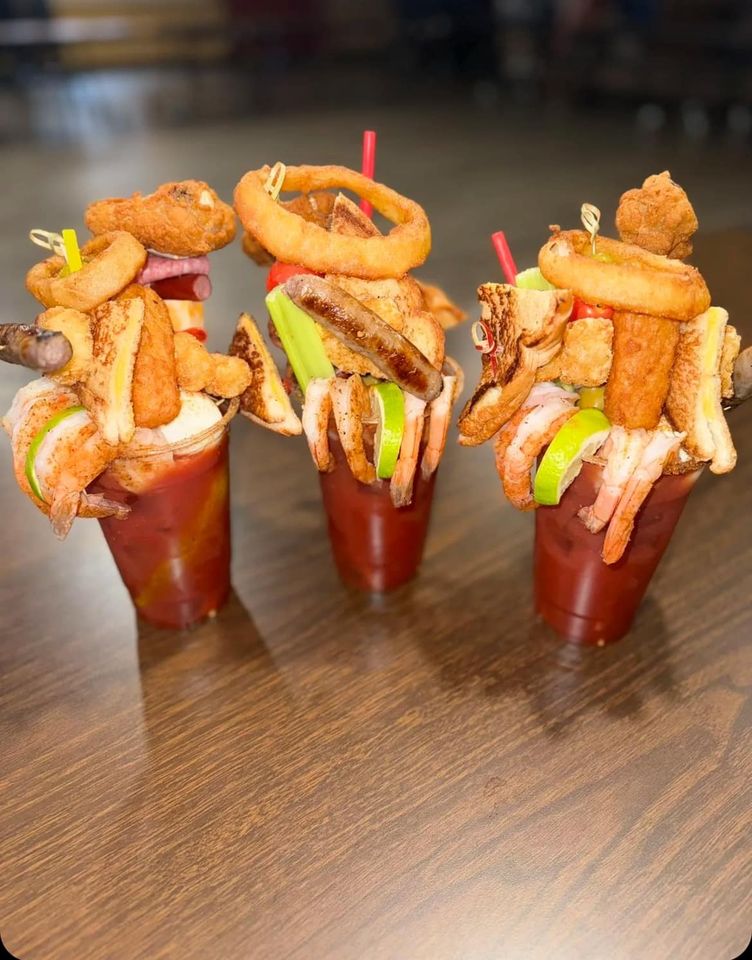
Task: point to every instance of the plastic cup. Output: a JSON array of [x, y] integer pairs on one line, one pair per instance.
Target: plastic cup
[[576, 593], [173, 548], [377, 547]]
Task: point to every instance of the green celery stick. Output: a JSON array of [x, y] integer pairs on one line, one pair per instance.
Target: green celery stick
[[300, 339]]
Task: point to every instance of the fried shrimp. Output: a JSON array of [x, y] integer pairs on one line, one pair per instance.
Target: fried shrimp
[[110, 263], [185, 219]]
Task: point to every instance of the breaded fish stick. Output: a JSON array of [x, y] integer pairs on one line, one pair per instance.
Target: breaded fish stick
[[644, 349]]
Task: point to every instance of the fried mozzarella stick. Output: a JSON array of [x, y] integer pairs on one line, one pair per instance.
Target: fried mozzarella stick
[[43, 350], [644, 349]]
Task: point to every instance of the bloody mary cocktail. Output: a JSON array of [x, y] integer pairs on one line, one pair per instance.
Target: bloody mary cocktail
[[584, 599], [173, 548], [377, 546]]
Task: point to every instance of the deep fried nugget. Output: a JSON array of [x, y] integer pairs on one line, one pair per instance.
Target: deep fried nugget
[[658, 217], [186, 219], [644, 349], [197, 369], [731, 345], [438, 303], [156, 398], [585, 356]]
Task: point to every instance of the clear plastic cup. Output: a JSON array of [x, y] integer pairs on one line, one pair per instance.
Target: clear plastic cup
[[173, 548], [584, 599]]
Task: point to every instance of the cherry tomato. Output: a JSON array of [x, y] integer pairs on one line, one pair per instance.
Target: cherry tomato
[[197, 332], [279, 272], [582, 309]]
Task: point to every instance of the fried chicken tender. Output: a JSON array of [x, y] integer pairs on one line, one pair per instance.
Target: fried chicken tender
[[217, 374], [658, 217], [185, 219], [156, 398], [314, 207], [644, 349], [586, 353]]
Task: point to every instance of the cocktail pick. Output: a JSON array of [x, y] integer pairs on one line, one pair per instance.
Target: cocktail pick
[[591, 221], [368, 165], [275, 180], [64, 245], [506, 260]]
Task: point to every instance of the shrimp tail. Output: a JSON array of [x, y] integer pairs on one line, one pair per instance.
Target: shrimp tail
[[98, 506]]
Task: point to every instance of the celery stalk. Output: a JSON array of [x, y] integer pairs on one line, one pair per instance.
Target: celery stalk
[[300, 339]]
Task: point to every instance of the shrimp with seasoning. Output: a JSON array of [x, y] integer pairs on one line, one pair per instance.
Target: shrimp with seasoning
[[535, 431], [623, 452], [317, 410], [351, 403], [661, 445], [439, 413], [401, 485]]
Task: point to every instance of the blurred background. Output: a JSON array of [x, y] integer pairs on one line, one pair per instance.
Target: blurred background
[[81, 68], [492, 113]]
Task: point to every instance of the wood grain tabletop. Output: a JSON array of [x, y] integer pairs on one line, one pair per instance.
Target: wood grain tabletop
[[433, 776]]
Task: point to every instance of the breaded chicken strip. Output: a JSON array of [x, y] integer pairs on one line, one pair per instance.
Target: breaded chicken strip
[[156, 398], [644, 349], [658, 217]]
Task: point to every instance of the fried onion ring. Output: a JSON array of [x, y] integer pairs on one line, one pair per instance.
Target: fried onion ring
[[623, 276], [292, 239], [111, 261], [186, 219]]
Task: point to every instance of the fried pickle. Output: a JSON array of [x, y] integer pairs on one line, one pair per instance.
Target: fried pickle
[[586, 353], [644, 349]]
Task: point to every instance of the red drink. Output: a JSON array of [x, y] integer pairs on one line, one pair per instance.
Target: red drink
[[376, 546], [173, 549], [581, 597]]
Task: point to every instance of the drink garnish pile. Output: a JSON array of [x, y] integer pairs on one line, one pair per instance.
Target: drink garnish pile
[[134, 374], [364, 340], [609, 351]]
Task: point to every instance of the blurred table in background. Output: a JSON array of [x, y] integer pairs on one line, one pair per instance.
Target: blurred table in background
[[429, 777]]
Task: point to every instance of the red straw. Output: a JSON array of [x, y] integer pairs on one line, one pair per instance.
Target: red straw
[[505, 256], [368, 167]]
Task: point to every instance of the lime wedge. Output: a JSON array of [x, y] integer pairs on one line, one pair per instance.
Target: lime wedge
[[579, 437], [592, 397], [300, 339], [390, 405], [532, 279], [36, 443]]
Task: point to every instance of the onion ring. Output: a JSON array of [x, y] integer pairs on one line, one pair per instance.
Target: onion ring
[[627, 277], [111, 262], [185, 219], [292, 239]]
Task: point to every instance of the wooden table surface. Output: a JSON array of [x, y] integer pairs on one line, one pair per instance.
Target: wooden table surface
[[316, 776]]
